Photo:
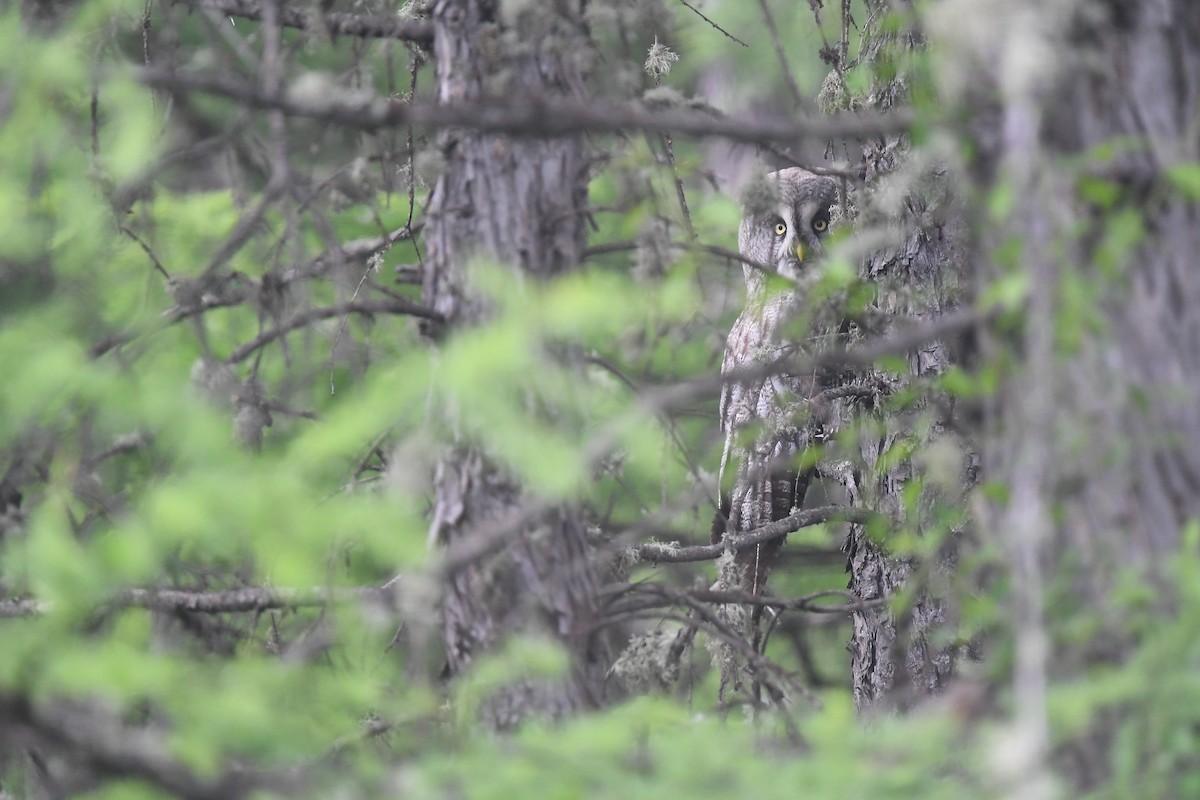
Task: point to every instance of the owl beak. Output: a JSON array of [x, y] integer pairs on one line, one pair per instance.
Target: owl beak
[[800, 252]]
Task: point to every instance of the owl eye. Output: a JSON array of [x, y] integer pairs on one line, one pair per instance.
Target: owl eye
[[820, 225], [780, 228]]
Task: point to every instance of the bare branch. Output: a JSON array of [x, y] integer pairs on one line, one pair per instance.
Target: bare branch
[[700, 14], [250, 598], [364, 26], [354, 250], [315, 314], [904, 338], [774, 678], [604, 248], [16, 607], [786, 68], [229, 601], [115, 750], [808, 602], [661, 553], [539, 117]]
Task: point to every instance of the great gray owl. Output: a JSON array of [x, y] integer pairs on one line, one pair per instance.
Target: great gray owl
[[762, 415]]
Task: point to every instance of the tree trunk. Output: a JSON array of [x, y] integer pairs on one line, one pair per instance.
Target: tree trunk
[[893, 663], [518, 203], [919, 280], [1077, 113]]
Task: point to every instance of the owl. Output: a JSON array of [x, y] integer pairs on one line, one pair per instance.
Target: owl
[[763, 418]]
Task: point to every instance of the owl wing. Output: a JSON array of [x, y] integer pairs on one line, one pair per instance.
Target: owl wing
[[763, 441]]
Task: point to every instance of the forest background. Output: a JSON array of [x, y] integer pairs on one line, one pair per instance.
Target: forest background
[[359, 434]]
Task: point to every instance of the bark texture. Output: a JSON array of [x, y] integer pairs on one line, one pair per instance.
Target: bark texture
[[519, 203], [919, 279], [892, 660]]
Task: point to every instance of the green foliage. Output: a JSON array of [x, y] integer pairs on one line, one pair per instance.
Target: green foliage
[[1186, 179], [652, 746], [130, 430]]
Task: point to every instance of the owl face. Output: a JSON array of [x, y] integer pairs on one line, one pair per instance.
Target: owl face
[[789, 237]]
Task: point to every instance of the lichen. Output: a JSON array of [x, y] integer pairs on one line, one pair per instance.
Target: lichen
[[647, 663], [833, 96], [727, 660], [624, 562], [659, 60], [663, 97], [760, 196], [654, 251], [428, 166]]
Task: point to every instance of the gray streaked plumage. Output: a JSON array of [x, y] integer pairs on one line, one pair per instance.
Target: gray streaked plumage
[[762, 418]]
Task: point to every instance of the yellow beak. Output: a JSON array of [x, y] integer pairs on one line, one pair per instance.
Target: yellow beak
[[800, 251]]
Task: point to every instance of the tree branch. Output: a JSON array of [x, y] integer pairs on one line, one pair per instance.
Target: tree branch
[[251, 598], [539, 117], [906, 336], [314, 314], [667, 595], [665, 553], [229, 601], [605, 248], [117, 751], [806, 603], [364, 26], [700, 14], [497, 533]]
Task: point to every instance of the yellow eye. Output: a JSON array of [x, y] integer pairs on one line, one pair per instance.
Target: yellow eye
[[780, 229], [820, 225]]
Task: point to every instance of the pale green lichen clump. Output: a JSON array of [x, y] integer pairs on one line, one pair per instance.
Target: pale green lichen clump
[[659, 59], [647, 663], [760, 196]]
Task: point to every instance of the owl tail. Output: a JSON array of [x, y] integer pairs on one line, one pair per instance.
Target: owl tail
[[787, 489], [749, 571], [721, 519]]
